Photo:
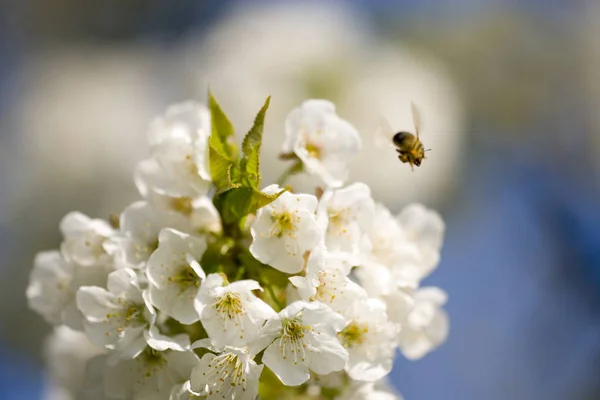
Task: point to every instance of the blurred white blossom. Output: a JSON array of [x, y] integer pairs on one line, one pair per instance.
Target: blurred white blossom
[[321, 140]]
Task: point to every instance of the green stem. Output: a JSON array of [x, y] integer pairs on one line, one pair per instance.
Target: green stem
[[293, 169], [273, 295]]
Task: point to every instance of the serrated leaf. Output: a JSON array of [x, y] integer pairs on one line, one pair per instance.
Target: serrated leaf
[[221, 130], [220, 165], [250, 162], [237, 202]]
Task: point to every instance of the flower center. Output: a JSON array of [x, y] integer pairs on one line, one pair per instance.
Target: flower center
[[338, 219], [291, 342], [230, 305], [95, 244], [182, 205], [313, 150], [135, 314], [354, 334], [151, 360], [186, 278], [282, 222], [128, 314], [326, 292]]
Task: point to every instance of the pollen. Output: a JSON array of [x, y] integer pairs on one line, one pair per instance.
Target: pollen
[[186, 278], [134, 313], [282, 223], [338, 219], [230, 305], [182, 205], [293, 330], [313, 150], [354, 334]]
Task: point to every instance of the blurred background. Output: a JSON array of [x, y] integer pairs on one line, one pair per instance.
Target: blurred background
[[510, 92]]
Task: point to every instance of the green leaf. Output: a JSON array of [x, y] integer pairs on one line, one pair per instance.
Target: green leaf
[[220, 165], [250, 162], [237, 202], [222, 130]]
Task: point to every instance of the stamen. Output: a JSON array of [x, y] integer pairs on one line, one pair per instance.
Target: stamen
[[354, 334]]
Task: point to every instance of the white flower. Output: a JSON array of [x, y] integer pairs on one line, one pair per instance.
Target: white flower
[[285, 230], [347, 214], [84, 239], [140, 225], [150, 376], [424, 323], [52, 286], [324, 142], [424, 229], [179, 146], [175, 274], [305, 339], [327, 280], [49, 283], [399, 252], [380, 253], [66, 353], [370, 339], [203, 215], [231, 374], [231, 314], [116, 317]]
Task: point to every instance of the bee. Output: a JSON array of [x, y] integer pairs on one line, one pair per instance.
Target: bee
[[408, 145]]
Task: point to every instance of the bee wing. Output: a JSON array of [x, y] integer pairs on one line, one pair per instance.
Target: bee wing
[[417, 118], [383, 133]]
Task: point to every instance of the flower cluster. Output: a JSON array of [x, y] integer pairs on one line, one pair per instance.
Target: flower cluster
[[215, 287]]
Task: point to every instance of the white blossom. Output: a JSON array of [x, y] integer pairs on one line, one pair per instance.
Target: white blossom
[[327, 280], [324, 142], [174, 274], [399, 252], [347, 214], [66, 353], [140, 225], [424, 322], [230, 313], [179, 147], [84, 239], [116, 317], [152, 375], [169, 271], [305, 338], [285, 230], [424, 229], [370, 339], [203, 215], [53, 283], [230, 374]]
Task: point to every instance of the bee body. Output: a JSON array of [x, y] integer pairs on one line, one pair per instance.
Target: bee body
[[410, 148]]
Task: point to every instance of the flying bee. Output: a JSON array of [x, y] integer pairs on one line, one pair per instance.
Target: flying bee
[[408, 145]]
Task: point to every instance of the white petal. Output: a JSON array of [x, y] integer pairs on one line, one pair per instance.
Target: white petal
[[289, 373], [330, 357], [422, 225], [49, 292], [161, 342]]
